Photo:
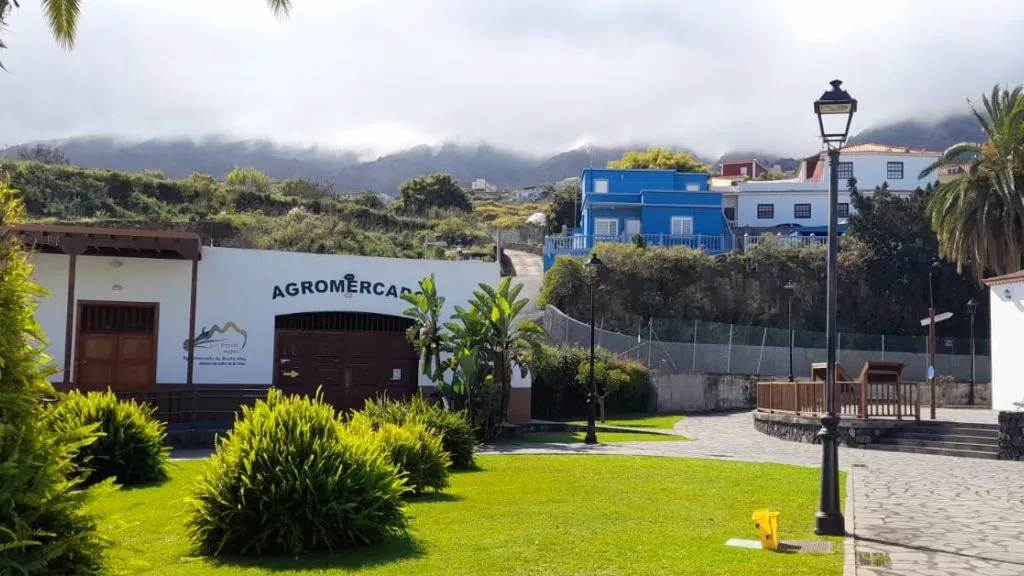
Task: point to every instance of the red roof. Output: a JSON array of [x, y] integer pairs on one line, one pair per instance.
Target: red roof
[[1005, 278]]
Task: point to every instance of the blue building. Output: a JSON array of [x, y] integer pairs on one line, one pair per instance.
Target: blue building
[[664, 207]]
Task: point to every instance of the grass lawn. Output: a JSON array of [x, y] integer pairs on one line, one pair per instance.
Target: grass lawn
[[659, 421], [602, 437], [538, 515]]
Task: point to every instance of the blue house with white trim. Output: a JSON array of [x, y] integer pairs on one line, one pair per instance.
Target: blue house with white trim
[[664, 207]]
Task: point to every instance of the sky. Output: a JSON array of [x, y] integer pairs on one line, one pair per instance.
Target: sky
[[536, 76]]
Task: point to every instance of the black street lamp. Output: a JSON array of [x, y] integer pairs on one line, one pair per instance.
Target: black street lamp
[[791, 288], [593, 265], [933, 270], [972, 309], [835, 110]]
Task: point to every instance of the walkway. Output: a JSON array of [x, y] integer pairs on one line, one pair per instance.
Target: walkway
[[933, 515]]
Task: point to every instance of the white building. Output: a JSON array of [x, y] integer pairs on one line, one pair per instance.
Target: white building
[[482, 185], [803, 200], [259, 318], [529, 195], [1006, 310]]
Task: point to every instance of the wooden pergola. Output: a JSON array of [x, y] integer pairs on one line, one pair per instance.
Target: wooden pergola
[[75, 241]]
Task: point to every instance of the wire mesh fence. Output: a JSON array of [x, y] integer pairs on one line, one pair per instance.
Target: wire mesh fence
[[695, 346]]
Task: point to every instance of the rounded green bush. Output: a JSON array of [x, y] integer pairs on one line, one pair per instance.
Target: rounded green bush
[[416, 451], [456, 433], [290, 478], [130, 446]]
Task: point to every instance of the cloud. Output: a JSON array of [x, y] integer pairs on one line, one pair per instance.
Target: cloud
[[537, 76]]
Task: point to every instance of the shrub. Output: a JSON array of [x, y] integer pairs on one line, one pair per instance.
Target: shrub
[[416, 451], [43, 528], [457, 435], [556, 394], [130, 447], [289, 478]]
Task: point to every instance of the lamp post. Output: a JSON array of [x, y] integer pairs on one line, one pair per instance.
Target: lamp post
[[791, 288], [835, 110], [593, 265], [972, 309], [934, 269]]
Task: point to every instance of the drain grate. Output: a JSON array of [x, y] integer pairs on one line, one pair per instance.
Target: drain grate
[[812, 547], [874, 559]]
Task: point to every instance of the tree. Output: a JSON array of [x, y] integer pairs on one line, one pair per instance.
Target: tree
[[607, 380], [979, 215], [62, 17], [432, 191], [302, 188], [425, 333], [43, 153], [250, 180], [43, 529], [564, 209], [370, 199], [660, 159]]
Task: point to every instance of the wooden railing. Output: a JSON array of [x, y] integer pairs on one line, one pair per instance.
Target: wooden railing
[[852, 399], [201, 404]]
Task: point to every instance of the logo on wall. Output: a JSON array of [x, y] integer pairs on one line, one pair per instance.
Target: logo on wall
[[219, 345]]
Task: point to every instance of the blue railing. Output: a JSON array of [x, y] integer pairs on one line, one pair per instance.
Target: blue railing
[[580, 245]]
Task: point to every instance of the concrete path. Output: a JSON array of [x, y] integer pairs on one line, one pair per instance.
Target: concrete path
[[932, 515], [530, 273]]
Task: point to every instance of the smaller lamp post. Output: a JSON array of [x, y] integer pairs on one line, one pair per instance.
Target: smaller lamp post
[[791, 288], [972, 309], [933, 270], [593, 265]]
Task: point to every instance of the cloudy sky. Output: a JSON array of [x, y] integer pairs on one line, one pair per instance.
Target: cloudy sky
[[533, 75]]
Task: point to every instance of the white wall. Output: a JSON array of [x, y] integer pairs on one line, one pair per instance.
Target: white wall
[[166, 282], [1007, 341], [249, 288], [746, 208]]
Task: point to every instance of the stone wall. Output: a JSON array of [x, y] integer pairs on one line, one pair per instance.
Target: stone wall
[[1011, 435], [949, 392], [855, 434], [672, 393]]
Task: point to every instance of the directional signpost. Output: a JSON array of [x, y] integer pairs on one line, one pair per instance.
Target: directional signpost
[[930, 322]]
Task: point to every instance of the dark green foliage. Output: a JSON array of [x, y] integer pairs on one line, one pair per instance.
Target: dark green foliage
[[416, 451], [556, 391], [457, 435], [43, 529], [290, 478], [564, 209], [131, 445], [432, 191]]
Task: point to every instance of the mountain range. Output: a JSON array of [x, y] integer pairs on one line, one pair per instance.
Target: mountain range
[[177, 158]]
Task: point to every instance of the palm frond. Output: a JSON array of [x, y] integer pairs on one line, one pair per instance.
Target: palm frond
[[62, 18]]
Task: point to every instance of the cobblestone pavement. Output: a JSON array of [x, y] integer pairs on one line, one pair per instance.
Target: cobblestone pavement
[[933, 515]]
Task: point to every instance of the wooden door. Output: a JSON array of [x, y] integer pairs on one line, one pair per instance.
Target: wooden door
[[116, 346]]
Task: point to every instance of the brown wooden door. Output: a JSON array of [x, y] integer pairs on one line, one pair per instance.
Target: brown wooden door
[[116, 346]]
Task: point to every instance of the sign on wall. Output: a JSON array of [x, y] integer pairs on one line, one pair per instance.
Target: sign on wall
[[347, 285], [220, 345]]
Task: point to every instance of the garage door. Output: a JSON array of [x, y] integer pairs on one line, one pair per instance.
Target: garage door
[[352, 356]]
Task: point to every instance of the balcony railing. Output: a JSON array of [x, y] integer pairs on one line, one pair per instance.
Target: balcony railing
[[581, 245]]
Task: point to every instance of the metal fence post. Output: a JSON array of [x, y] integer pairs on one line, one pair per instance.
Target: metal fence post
[[693, 365], [883, 347], [728, 358], [760, 355]]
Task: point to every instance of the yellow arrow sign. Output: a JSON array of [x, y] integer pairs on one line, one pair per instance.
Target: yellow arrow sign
[[290, 374]]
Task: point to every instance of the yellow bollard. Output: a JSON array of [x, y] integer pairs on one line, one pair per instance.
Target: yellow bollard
[[767, 524]]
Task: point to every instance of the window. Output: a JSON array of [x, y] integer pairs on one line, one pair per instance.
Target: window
[[606, 227], [894, 171], [801, 211], [693, 187], [845, 170], [843, 210], [601, 186], [682, 226], [632, 226], [730, 213], [765, 211]]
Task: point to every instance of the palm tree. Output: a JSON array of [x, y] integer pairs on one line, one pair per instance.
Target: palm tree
[[62, 17], [979, 216]]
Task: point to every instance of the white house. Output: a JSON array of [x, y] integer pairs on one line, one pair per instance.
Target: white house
[[257, 318], [482, 185], [1006, 308], [527, 195], [803, 200]]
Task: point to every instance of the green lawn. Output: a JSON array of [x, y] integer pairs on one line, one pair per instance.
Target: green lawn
[[538, 515], [659, 421], [602, 437]]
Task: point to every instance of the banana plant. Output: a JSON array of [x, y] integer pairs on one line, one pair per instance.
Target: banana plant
[[425, 333]]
